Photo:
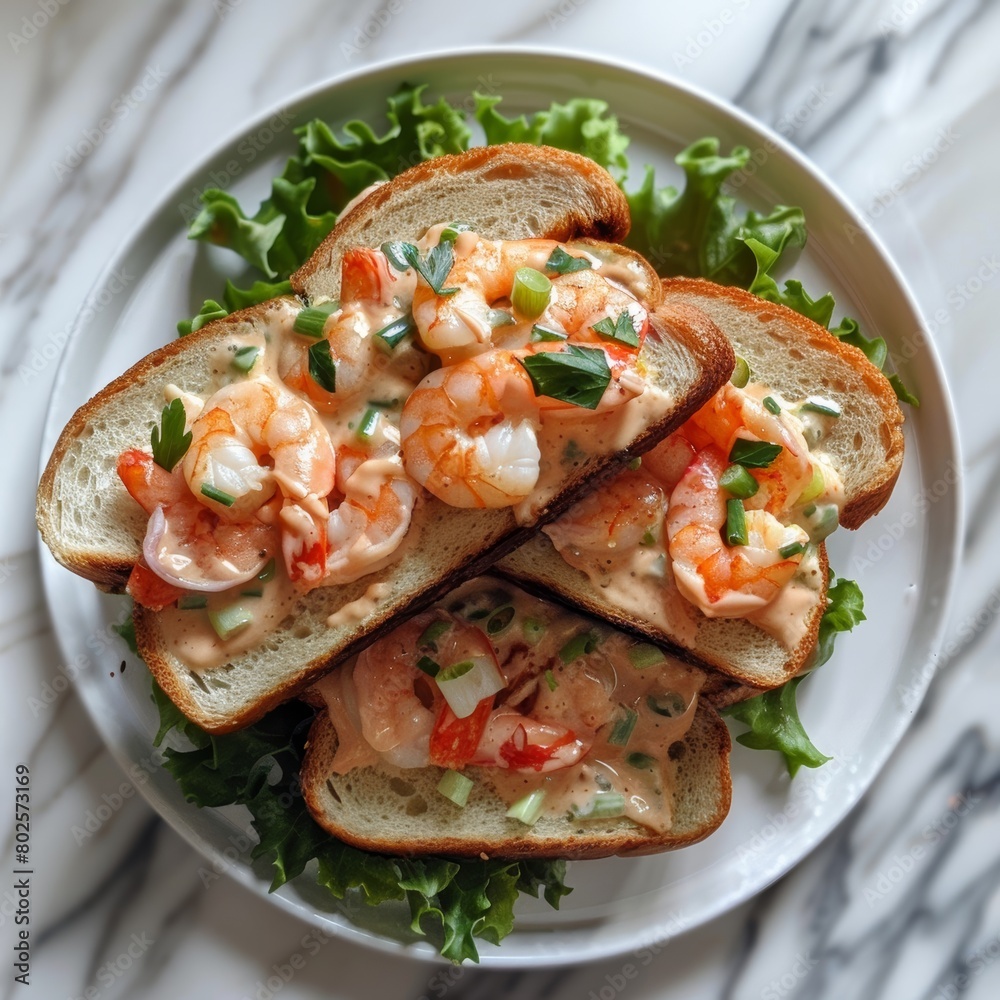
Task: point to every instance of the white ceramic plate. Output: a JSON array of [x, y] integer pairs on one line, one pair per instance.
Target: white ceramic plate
[[856, 708]]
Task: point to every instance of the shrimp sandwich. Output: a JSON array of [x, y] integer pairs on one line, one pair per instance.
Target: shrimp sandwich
[[715, 544], [464, 357], [498, 725]]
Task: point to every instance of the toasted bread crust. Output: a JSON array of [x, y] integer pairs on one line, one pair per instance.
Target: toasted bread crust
[[704, 757]]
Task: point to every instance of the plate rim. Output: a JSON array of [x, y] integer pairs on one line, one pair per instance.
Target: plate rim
[[243, 873]]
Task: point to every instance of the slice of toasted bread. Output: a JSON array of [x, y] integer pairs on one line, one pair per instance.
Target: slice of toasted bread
[[572, 198], [400, 812], [797, 358], [94, 528]]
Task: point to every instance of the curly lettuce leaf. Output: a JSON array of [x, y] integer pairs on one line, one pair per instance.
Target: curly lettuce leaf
[[359, 157], [233, 299], [773, 717], [258, 767], [774, 723], [696, 231], [581, 125]]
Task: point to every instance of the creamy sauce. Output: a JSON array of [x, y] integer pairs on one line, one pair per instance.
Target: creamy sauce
[[357, 610], [628, 716], [644, 581]]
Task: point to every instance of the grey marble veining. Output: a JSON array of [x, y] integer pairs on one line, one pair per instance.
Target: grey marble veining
[[896, 100]]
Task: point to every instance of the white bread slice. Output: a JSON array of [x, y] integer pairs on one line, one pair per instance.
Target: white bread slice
[[91, 525], [797, 358], [400, 812]]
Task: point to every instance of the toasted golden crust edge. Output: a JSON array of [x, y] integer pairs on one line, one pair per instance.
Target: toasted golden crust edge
[[865, 505], [607, 218], [707, 729]]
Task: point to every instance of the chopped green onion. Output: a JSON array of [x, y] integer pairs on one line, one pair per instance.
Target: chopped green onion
[[771, 405], [736, 523], [577, 375], [635, 464], [550, 679], [456, 670], [531, 292], [622, 329], [455, 786], [579, 645], [640, 761], [810, 510], [368, 423], [450, 233], [645, 654], [738, 482], [528, 808], [741, 373], [229, 620], [561, 262], [267, 573], [792, 549], [499, 620], [189, 602], [311, 321], [500, 317], [816, 486], [648, 537], [533, 630], [754, 454], [245, 358], [669, 704], [430, 667], [253, 592], [621, 732], [322, 367], [542, 334], [826, 407], [392, 333], [219, 496], [430, 635], [465, 684], [604, 805]]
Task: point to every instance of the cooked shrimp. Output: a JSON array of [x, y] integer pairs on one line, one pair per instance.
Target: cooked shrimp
[[396, 701], [724, 580], [733, 414], [483, 274], [244, 423], [187, 545], [606, 526], [371, 294], [367, 527], [582, 299], [469, 432]]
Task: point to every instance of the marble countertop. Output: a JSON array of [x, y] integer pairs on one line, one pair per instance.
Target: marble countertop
[[908, 129]]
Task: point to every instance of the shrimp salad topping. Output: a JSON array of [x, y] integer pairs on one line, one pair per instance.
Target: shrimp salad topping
[[550, 711], [722, 516], [458, 367]]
